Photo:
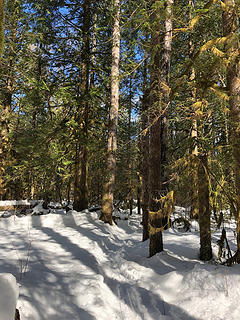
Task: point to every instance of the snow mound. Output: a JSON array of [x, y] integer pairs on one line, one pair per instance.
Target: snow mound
[[9, 292], [212, 287]]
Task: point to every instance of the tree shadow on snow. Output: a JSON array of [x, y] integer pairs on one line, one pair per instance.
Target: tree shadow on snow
[[144, 302], [59, 300], [140, 300], [96, 233], [77, 252], [41, 278]]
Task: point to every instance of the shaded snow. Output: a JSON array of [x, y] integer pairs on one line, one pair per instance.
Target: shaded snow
[[16, 202], [74, 267], [8, 296]]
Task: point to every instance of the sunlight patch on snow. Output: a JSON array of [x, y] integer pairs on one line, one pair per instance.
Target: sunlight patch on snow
[[80, 268]]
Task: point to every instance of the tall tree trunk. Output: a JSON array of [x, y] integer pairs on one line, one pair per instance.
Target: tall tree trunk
[[194, 131], [200, 191], [108, 190], [230, 30], [6, 103], [204, 209], [4, 129], [94, 47], [165, 72], [2, 6], [159, 100], [81, 168], [145, 152], [129, 173]]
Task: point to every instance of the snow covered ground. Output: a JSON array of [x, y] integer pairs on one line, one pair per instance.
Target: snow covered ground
[[9, 292], [74, 267]]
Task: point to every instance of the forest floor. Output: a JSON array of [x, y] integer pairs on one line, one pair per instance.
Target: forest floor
[[74, 267]]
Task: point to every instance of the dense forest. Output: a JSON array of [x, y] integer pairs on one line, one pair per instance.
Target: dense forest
[[134, 102]]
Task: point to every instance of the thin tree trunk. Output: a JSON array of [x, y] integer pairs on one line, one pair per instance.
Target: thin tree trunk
[[130, 193], [81, 170], [2, 6], [108, 190], [138, 197], [194, 131], [200, 191], [159, 99], [4, 130], [165, 72], [94, 46], [5, 113], [230, 30], [81, 173], [204, 209], [145, 152]]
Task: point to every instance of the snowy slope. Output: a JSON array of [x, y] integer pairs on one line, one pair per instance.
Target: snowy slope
[[74, 267]]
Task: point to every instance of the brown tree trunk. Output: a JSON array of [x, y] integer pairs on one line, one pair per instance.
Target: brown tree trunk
[[159, 99], [2, 6], [94, 46], [5, 114], [230, 30], [200, 181], [165, 72], [144, 145], [145, 159], [129, 173], [204, 209], [81, 168], [108, 190], [4, 130], [194, 131], [3, 148], [80, 184]]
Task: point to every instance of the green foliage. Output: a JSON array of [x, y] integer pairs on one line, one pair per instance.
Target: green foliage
[[42, 58]]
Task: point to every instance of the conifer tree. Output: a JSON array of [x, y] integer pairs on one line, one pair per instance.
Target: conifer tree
[[3, 124], [145, 150], [159, 101], [230, 30], [107, 200], [81, 169], [2, 6]]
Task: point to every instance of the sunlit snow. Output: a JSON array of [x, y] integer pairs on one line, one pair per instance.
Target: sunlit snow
[[74, 267]]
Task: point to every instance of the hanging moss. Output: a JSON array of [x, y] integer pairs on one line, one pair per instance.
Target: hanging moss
[[2, 5]]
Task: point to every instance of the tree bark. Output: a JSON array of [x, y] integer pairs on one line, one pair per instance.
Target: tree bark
[[194, 131], [4, 130], [145, 154], [159, 99], [2, 6], [204, 209], [230, 30], [81, 169], [6, 103], [108, 190], [130, 183]]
